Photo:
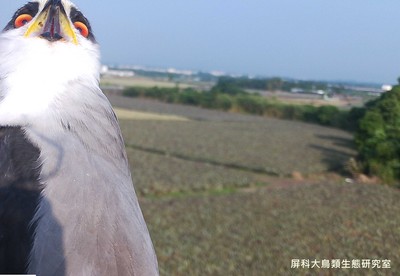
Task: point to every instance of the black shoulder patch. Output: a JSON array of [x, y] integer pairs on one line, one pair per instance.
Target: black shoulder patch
[[19, 195]]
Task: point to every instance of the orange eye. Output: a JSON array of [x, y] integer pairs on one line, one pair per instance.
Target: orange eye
[[82, 28], [22, 20]]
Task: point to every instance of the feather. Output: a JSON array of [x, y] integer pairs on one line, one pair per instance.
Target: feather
[[86, 219]]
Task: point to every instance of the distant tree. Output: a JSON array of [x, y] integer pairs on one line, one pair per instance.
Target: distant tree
[[227, 85], [132, 92], [328, 115], [274, 84], [189, 96], [223, 102], [171, 77], [378, 137], [353, 117], [251, 104]]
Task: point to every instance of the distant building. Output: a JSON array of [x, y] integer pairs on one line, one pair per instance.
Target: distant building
[[296, 90], [218, 73], [386, 87], [106, 71], [179, 72]]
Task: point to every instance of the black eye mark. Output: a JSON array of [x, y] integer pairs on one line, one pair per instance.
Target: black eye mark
[[32, 8], [76, 16]]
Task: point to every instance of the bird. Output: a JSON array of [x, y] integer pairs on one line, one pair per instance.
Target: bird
[[67, 201]]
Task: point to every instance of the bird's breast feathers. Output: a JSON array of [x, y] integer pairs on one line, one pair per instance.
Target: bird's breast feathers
[[34, 74]]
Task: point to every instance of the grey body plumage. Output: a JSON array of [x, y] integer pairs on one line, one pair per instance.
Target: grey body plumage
[[87, 220]]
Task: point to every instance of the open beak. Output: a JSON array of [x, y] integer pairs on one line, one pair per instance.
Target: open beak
[[52, 24]]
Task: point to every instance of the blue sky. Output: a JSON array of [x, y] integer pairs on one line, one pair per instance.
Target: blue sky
[[309, 39]]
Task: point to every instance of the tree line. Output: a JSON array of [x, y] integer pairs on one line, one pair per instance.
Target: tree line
[[376, 126], [274, 84], [228, 96]]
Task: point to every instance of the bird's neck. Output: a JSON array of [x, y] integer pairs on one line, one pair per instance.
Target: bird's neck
[[35, 77]]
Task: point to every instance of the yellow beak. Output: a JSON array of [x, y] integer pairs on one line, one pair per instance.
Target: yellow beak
[[52, 24]]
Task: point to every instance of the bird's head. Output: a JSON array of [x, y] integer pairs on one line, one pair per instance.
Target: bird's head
[[47, 50], [45, 31], [51, 20]]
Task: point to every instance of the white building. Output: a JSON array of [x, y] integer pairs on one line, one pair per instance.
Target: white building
[[106, 71], [386, 87]]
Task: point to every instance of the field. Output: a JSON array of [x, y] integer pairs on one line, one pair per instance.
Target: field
[[258, 232], [136, 81], [341, 101], [232, 194], [147, 82]]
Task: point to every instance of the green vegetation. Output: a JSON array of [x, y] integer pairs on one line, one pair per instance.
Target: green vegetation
[[378, 137], [210, 213], [273, 84], [187, 96], [210, 154], [259, 232], [227, 96]]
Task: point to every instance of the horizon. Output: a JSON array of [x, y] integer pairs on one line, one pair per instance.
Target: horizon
[[239, 75], [354, 41]]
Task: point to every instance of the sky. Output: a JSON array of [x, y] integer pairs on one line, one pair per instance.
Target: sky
[[357, 40]]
